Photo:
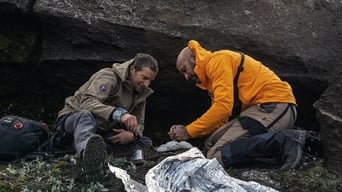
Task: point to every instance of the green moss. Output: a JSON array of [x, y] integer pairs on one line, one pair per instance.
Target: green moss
[[316, 178]]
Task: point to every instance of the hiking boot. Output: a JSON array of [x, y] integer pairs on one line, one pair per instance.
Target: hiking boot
[[313, 145], [294, 150], [93, 157]]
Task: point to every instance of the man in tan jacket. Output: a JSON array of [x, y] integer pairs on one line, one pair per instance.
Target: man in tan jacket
[[110, 105]]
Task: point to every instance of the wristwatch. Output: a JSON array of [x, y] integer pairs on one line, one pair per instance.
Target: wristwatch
[[117, 114]]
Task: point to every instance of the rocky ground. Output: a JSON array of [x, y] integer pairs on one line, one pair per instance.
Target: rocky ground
[[61, 174]]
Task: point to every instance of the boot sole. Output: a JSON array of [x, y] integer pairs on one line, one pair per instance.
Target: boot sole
[[93, 158]]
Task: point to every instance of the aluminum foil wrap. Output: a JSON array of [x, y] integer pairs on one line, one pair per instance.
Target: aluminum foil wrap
[[191, 171]]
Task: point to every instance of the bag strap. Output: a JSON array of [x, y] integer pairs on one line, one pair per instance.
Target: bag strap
[[237, 102], [279, 117], [48, 150]]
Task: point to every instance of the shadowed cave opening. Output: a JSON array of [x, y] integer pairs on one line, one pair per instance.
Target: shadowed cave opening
[[39, 93]]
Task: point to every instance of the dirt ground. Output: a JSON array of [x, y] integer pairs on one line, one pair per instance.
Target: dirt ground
[[62, 174], [309, 176]]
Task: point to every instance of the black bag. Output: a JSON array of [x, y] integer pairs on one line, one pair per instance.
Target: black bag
[[20, 136]]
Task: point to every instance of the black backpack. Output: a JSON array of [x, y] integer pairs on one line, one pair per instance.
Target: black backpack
[[20, 136], [27, 139]]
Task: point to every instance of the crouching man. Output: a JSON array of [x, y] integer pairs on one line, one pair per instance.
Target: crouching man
[[243, 90]]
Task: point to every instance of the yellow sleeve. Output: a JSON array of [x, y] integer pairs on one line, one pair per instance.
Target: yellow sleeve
[[220, 75]]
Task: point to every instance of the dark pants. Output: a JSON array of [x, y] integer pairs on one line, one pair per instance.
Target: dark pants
[[254, 120], [276, 144], [80, 125], [142, 142]]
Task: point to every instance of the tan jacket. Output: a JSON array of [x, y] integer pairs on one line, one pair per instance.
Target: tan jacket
[[104, 91]]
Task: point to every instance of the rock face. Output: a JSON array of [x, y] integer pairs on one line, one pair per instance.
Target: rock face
[[329, 113], [54, 46]]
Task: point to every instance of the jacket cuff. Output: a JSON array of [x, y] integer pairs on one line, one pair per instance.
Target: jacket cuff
[[118, 113]]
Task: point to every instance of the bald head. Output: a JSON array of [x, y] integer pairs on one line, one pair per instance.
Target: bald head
[[183, 57], [186, 63]]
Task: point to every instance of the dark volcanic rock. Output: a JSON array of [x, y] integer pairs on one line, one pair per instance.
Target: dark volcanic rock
[[329, 113], [64, 42]]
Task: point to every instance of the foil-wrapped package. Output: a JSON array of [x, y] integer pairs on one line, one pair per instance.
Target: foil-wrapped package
[[189, 171]]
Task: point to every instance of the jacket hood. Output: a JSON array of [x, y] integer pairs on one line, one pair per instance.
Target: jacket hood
[[202, 58], [122, 69]]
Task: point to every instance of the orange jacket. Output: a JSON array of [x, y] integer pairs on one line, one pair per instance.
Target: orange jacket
[[216, 70]]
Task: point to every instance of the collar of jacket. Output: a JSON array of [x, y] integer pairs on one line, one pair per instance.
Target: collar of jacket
[[122, 69], [202, 58]]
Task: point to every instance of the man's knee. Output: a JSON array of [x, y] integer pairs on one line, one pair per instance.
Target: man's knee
[[226, 156], [85, 114], [82, 118], [253, 126], [215, 154]]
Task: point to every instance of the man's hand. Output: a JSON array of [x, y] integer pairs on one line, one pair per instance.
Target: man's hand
[[130, 122], [123, 137], [178, 133]]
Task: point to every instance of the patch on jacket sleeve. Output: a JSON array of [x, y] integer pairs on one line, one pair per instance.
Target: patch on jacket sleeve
[[103, 88]]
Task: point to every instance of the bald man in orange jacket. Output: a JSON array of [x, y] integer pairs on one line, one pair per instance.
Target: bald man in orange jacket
[[267, 102]]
